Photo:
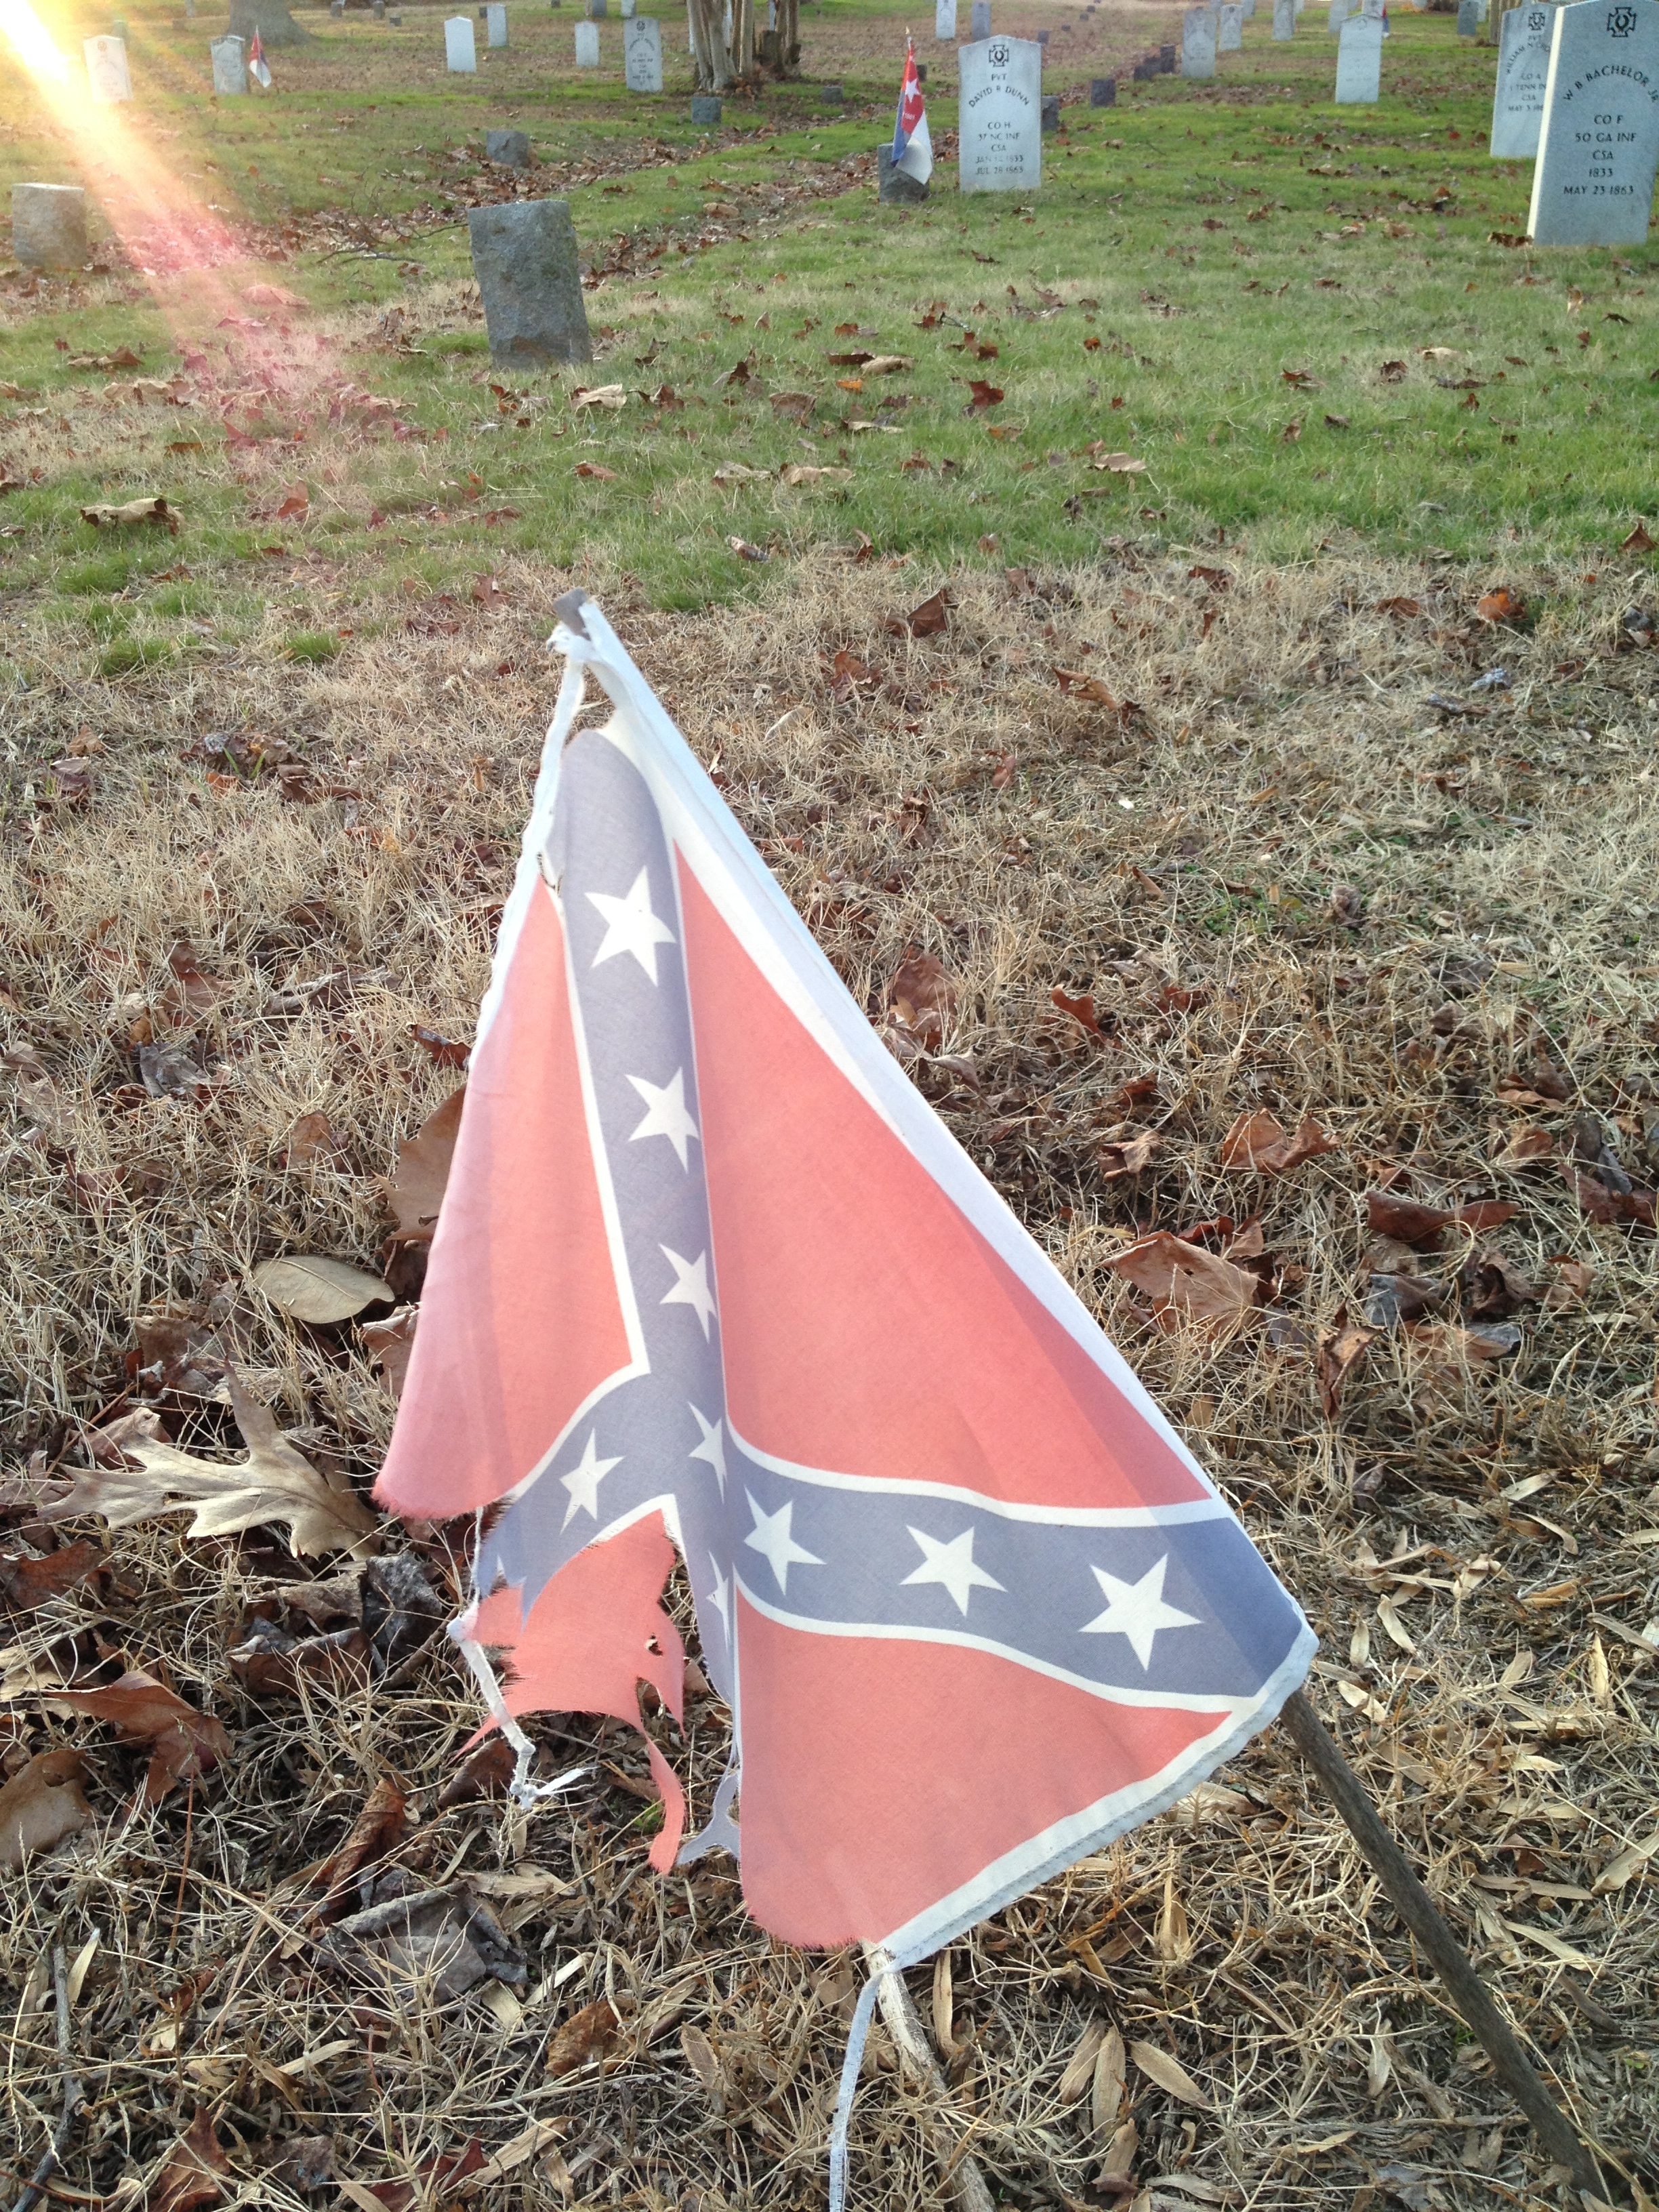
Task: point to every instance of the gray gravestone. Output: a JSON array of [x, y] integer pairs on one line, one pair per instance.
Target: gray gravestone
[[1284, 19], [117, 28], [1197, 30], [337, 8], [1598, 139], [460, 47], [979, 21], [1144, 72], [1103, 91], [495, 16], [524, 256], [625, 10], [705, 110], [49, 226], [1231, 38], [1523, 68], [509, 149], [1469, 19], [642, 54], [1340, 11], [832, 95], [1051, 111], [898, 187], [1359, 62], [271, 18], [229, 66], [596, 8], [999, 116], [587, 46], [107, 76], [1166, 61], [945, 20], [1042, 40]]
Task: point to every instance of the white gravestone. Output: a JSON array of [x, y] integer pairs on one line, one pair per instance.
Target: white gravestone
[[1340, 11], [1231, 40], [229, 66], [999, 116], [587, 46], [642, 54], [1284, 19], [1469, 19], [1523, 67], [495, 22], [1249, 11], [108, 75], [1198, 29], [980, 20], [945, 22], [626, 10], [460, 50], [1359, 61], [1598, 139]]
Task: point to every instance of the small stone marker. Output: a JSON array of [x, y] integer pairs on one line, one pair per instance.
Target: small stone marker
[[587, 46], [1103, 91], [1166, 61], [705, 110], [1284, 19], [117, 28], [524, 256], [509, 149], [1523, 68], [642, 54], [1197, 30], [1231, 38], [1340, 11], [999, 116], [49, 226], [108, 75], [229, 66], [1042, 40], [832, 95], [1359, 62], [625, 10], [1144, 72], [980, 20], [1051, 111], [1469, 19], [945, 20], [495, 21], [460, 48], [596, 8], [895, 187], [1598, 138], [336, 7]]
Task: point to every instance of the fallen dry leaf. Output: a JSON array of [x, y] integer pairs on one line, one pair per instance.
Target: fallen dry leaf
[[931, 617], [196, 2171], [183, 1742], [1259, 1141], [1500, 606], [1106, 2087], [1341, 1348], [592, 470], [296, 505], [389, 1344], [1637, 542], [1129, 1156], [314, 1289], [415, 1188], [1080, 1008], [271, 295], [1122, 465], [273, 1486], [377, 1831], [313, 1138], [1186, 1282], [602, 395], [586, 2035], [25, 1584], [799, 473], [1422, 1224], [132, 512], [983, 395], [1618, 1871], [41, 1804], [922, 996], [1170, 2073], [1080, 2066]]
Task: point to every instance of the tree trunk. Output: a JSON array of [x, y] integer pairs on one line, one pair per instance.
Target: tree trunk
[[743, 37], [788, 38], [712, 63]]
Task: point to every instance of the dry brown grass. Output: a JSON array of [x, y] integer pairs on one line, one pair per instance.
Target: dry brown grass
[[1285, 752]]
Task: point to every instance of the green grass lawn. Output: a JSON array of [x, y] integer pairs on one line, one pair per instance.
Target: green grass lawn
[[1294, 314]]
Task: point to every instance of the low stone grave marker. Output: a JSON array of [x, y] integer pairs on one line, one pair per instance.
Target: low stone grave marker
[[1359, 62], [49, 226], [705, 110], [895, 187], [509, 149], [945, 22], [1469, 19], [1103, 91], [229, 67], [1598, 137], [1523, 68], [642, 54], [1051, 111], [1231, 38], [460, 47], [587, 46], [1198, 36], [1284, 19], [108, 78], [495, 22], [999, 116], [980, 20], [524, 258]]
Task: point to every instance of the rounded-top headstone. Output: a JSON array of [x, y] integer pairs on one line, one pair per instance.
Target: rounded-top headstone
[[1103, 91], [705, 110], [49, 226], [508, 149], [229, 66], [108, 75], [524, 256]]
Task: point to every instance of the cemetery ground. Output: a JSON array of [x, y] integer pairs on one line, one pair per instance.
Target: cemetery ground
[[1303, 772]]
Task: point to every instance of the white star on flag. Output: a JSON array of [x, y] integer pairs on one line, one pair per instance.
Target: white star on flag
[[690, 1286], [719, 1597], [630, 925], [952, 1565], [666, 1115], [770, 1537], [1137, 1610], [713, 1447], [583, 1482]]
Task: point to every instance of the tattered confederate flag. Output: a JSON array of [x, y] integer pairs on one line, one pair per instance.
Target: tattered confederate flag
[[711, 1279]]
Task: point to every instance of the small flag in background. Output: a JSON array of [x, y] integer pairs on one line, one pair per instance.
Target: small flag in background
[[257, 67], [913, 148]]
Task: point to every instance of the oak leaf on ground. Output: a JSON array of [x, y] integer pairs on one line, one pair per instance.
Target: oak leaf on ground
[[183, 1742], [1260, 1141], [41, 1804], [197, 2170], [1185, 1282]]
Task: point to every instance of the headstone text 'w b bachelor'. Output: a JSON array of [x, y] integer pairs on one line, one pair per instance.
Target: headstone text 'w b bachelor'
[[1598, 139]]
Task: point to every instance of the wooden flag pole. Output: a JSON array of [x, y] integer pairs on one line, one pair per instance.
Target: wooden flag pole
[[1430, 1926]]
